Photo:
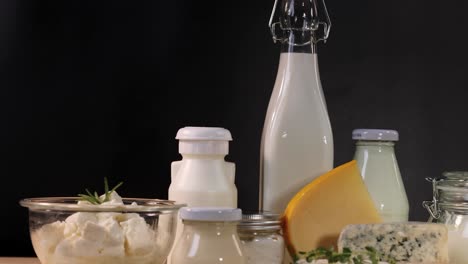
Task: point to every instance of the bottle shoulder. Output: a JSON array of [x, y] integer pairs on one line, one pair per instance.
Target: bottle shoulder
[[298, 87], [203, 174], [298, 66]]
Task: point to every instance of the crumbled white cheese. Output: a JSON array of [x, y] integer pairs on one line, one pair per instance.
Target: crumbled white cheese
[[99, 238]]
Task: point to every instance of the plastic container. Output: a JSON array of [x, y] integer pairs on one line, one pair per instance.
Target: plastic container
[[209, 236], [376, 159], [260, 234], [203, 178], [450, 207]]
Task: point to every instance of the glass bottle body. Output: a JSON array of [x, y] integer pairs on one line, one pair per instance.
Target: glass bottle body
[[381, 174], [297, 141], [208, 243]]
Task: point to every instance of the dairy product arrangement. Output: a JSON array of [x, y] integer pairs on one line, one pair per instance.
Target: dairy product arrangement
[[101, 238], [310, 212]]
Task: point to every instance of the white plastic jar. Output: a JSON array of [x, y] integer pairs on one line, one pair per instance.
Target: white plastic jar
[[261, 237], [375, 156], [203, 178], [209, 236]]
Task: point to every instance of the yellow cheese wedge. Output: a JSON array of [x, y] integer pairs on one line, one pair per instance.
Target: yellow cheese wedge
[[316, 215]]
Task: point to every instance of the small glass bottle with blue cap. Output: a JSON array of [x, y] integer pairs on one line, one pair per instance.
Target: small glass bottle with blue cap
[[375, 156]]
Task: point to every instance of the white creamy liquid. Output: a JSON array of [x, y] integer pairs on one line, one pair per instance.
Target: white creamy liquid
[[208, 243], [264, 250], [379, 169], [297, 142], [458, 246]]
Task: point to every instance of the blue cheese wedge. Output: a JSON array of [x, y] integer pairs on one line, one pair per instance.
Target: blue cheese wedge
[[411, 242]]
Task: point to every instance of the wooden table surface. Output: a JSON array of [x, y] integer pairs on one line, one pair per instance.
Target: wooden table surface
[[19, 261]]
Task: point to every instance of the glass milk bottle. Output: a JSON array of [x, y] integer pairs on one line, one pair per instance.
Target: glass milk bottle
[[209, 236], [375, 156], [203, 178], [297, 143]]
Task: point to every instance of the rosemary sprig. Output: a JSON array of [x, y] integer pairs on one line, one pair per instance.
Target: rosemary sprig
[[94, 198], [347, 256]]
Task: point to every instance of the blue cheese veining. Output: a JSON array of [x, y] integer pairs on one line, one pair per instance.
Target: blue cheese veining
[[411, 242]]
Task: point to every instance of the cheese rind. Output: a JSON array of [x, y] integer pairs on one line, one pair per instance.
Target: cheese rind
[[411, 242]]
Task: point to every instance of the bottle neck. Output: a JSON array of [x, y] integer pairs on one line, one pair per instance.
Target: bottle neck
[[216, 228], [382, 144], [454, 215], [204, 147], [203, 157], [299, 42], [260, 231]]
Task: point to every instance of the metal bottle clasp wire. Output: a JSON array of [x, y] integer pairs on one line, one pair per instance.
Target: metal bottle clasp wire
[[432, 206], [310, 20]]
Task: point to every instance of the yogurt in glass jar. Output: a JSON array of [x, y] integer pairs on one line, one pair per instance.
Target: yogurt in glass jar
[[260, 234]]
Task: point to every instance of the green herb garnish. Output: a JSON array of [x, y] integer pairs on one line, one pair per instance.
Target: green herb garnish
[[94, 198], [370, 255]]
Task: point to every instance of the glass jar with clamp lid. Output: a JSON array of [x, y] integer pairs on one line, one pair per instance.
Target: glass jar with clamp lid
[[450, 207]]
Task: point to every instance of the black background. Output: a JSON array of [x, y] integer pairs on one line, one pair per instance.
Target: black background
[[94, 88]]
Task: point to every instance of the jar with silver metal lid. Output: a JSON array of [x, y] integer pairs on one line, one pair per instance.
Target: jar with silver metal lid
[[260, 234], [450, 207]]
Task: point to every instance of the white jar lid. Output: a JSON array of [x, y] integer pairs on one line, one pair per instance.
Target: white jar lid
[[204, 140], [375, 134], [211, 214], [204, 133]]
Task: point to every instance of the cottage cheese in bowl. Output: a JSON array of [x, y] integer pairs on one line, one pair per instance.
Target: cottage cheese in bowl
[[104, 237]]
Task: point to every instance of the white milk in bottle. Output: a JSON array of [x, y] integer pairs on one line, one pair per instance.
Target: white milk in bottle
[[297, 142], [203, 178]]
